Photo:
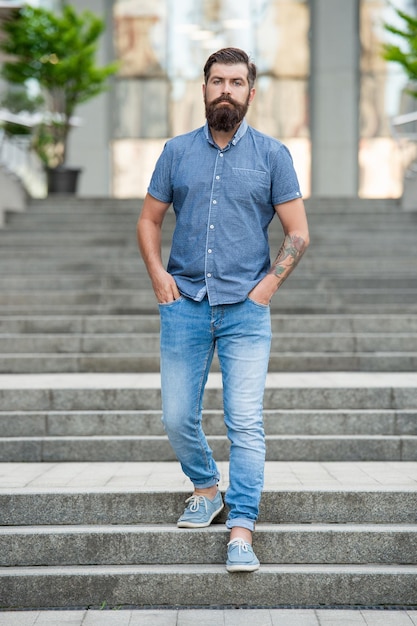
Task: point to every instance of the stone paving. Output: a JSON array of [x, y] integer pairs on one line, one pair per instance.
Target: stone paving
[[168, 476], [223, 617]]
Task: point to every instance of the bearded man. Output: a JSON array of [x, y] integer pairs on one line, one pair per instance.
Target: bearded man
[[226, 182]]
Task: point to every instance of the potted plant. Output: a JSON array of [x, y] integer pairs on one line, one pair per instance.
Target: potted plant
[[58, 52]]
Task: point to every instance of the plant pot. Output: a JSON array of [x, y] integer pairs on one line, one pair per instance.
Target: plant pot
[[62, 179]]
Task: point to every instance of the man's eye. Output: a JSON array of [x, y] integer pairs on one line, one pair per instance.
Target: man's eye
[[238, 83]]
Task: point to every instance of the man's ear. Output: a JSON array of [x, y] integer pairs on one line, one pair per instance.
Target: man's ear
[[252, 94], [204, 89]]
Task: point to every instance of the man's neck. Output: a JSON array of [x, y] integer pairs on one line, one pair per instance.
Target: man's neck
[[221, 137]]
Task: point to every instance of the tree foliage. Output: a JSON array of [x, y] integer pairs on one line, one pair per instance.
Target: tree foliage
[[58, 51], [406, 58]]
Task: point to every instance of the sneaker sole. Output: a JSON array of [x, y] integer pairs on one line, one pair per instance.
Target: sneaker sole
[[242, 568], [186, 524]]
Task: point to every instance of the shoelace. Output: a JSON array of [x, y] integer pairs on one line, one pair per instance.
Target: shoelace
[[239, 543], [195, 502]]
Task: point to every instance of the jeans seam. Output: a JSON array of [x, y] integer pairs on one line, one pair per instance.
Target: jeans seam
[[199, 403]]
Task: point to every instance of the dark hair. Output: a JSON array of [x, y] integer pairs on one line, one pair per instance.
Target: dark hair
[[231, 56]]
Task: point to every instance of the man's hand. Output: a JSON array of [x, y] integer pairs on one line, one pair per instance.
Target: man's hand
[[165, 287], [264, 290]]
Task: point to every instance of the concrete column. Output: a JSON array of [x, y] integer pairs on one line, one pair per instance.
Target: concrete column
[[335, 97], [89, 145]]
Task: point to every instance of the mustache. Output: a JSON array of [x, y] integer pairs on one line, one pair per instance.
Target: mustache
[[224, 98]]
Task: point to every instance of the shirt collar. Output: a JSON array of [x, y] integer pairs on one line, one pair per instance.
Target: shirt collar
[[243, 127]]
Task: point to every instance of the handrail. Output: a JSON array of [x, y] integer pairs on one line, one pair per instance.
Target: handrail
[[17, 158], [16, 154], [401, 120], [407, 140], [405, 118]]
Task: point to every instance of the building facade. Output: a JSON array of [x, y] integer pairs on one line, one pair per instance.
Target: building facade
[[323, 89]]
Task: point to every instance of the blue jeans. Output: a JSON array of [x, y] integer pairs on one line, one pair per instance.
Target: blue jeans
[[190, 332]]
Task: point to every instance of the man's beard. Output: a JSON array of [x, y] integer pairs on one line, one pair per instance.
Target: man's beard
[[225, 118]]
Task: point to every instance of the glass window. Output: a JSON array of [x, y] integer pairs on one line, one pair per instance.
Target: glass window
[[382, 156], [139, 36], [163, 45]]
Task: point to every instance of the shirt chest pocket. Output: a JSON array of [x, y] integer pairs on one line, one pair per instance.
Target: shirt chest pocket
[[251, 184]]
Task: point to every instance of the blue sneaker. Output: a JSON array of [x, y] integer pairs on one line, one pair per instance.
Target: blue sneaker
[[241, 557], [200, 511]]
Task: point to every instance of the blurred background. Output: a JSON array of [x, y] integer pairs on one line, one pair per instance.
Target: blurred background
[[323, 88]]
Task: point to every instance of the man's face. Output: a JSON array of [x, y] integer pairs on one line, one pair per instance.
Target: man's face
[[227, 96]]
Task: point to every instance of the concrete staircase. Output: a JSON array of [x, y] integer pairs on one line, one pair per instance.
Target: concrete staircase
[[74, 296], [89, 488], [314, 422]]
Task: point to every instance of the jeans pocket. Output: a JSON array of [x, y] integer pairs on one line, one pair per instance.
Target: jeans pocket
[[258, 304], [164, 305]]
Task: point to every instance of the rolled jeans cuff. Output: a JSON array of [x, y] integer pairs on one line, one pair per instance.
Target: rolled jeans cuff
[[242, 522], [208, 484]]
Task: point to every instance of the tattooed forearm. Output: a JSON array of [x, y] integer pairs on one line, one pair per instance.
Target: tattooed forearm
[[292, 249]]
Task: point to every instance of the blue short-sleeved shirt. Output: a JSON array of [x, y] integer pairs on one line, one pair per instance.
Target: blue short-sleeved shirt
[[223, 201]]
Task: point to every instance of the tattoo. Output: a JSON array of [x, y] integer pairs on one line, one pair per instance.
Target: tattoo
[[291, 251]]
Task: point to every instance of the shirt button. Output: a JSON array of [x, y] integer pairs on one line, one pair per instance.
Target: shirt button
[[217, 177], [214, 201], [209, 250], [221, 154], [209, 275], [211, 226]]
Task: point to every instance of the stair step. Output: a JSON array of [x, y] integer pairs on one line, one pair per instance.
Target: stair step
[[103, 259], [16, 283], [156, 449], [148, 493], [63, 202], [197, 585], [308, 391], [127, 308], [276, 422], [149, 362], [92, 241], [105, 264], [104, 294], [349, 324], [111, 301], [149, 342], [165, 544], [83, 207]]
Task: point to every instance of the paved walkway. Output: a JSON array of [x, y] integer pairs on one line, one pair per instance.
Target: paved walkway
[[228, 617], [288, 475], [315, 380]]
